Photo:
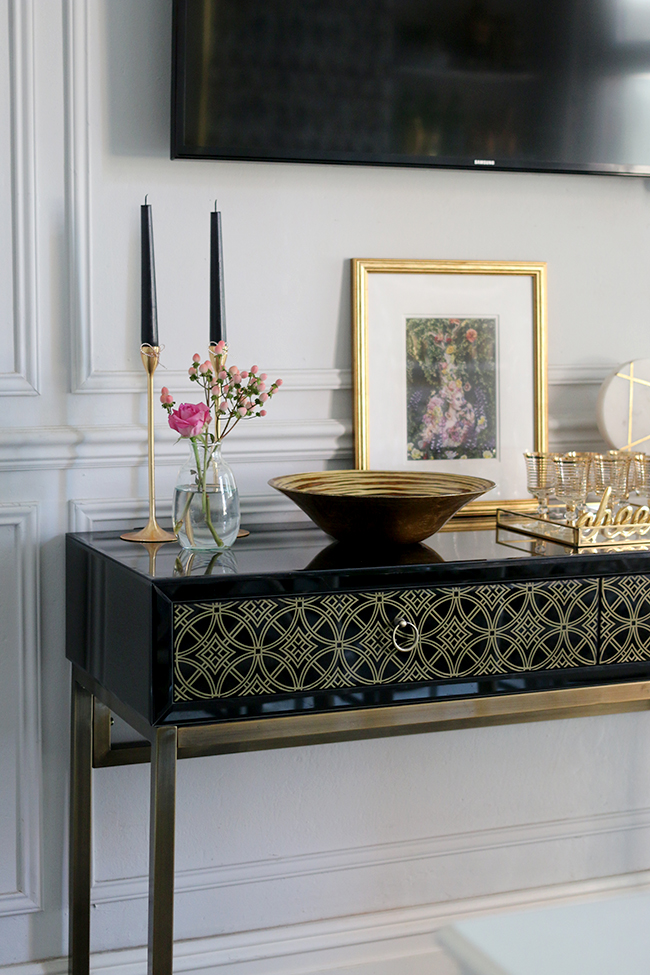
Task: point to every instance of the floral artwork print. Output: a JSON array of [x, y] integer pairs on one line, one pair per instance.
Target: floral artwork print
[[451, 388]]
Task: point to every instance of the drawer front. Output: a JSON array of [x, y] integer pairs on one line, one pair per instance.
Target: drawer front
[[292, 644], [625, 621]]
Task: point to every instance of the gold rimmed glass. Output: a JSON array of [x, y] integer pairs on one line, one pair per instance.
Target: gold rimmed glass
[[612, 470], [571, 481], [540, 478], [642, 475]]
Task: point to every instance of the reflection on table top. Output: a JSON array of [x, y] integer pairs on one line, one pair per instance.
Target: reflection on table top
[[290, 549]]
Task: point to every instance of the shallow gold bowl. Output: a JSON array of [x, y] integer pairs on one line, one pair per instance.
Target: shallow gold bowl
[[381, 506]]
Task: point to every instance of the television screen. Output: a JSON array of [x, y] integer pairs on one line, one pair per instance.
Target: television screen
[[535, 85]]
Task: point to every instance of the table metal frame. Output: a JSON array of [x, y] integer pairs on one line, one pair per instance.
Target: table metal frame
[[91, 747]]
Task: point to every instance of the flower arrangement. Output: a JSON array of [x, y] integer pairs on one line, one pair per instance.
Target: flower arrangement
[[231, 395]]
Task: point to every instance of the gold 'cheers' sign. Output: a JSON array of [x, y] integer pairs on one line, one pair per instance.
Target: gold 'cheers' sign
[[628, 520]]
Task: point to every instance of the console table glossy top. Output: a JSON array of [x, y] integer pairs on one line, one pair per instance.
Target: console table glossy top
[[300, 557], [523, 616]]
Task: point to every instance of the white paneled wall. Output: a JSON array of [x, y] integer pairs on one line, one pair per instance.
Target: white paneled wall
[[304, 859]]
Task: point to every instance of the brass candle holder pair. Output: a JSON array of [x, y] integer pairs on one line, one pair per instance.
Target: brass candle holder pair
[[150, 355]]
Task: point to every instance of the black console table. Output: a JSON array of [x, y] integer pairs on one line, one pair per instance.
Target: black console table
[[292, 639]]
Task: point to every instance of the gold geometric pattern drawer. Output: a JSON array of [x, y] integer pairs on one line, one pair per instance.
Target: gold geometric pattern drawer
[[291, 644], [625, 621]]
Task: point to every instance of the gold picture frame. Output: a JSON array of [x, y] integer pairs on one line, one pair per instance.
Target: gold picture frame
[[389, 297]]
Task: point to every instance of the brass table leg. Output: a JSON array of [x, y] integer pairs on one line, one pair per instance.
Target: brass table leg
[[81, 745], [161, 852]]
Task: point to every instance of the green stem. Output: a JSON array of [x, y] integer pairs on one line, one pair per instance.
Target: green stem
[[201, 476], [177, 524], [208, 519]]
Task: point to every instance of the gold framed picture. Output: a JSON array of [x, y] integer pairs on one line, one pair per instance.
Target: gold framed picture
[[450, 370]]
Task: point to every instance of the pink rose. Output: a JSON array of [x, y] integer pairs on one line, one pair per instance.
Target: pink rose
[[189, 419], [471, 334]]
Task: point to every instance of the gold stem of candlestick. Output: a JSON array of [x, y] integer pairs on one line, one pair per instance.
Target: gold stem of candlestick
[[218, 360], [152, 532]]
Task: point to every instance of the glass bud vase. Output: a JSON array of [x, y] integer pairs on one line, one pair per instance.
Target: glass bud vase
[[206, 500]]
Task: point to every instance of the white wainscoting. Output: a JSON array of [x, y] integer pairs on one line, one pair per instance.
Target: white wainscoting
[[20, 319], [20, 761]]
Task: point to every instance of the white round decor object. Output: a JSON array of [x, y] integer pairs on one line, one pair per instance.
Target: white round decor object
[[623, 407]]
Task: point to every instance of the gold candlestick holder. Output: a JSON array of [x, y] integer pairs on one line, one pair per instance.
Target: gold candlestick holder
[[152, 532]]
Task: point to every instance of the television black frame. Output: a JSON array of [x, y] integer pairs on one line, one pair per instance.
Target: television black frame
[[178, 149]]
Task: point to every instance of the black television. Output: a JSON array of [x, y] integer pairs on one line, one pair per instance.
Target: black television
[[533, 85]]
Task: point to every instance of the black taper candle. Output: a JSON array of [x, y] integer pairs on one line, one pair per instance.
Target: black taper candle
[[149, 308], [217, 299]]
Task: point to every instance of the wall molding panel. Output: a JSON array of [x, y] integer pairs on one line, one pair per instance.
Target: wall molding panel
[[403, 935], [26, 898], [578, 375], [61, 448], [23, 380], [382, 855], [77, 125], [119, 514]]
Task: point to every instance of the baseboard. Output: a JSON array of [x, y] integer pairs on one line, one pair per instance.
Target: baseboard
[[397, 942]]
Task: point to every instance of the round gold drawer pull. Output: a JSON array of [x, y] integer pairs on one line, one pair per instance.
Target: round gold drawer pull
[[402, 625]]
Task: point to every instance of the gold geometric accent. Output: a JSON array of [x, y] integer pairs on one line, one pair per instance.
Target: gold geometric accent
[[632, 380], [625, 620], [292, 644]]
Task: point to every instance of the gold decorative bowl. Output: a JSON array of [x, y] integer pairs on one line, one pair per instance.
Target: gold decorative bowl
[[398, 507]]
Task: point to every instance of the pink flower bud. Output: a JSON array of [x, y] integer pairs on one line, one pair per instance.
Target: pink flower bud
[[164, 390], [221, 345], [254, 369], [196, 357], [192, 371], [264, 397], [205, 367], [225, 390], [278, 382], [223, 406], [263, 375], [244, 374], [234, 371], [223, 374], [169, 398], [261, 387], [242, 411], [262, 412]]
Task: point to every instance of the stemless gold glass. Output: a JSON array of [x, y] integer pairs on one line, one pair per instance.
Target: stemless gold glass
[[571, 476], [540, 478]]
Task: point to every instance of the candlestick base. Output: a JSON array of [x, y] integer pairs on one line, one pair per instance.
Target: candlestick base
[[152, 532]]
